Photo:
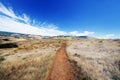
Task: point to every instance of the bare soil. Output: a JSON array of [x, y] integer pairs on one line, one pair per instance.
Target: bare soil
[[62, 68]]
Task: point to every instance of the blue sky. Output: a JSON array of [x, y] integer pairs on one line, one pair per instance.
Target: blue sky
[[96, 18]]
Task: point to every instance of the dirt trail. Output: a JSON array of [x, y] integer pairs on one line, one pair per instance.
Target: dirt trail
[[62, 68]]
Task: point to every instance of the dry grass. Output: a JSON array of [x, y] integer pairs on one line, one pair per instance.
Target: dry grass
[[95, 59], [28, 69], [100, 60], [30, 61]]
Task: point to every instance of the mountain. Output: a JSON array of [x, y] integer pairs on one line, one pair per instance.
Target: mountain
[[19, 35]]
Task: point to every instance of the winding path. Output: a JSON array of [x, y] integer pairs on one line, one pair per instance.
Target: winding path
[[62, 68]]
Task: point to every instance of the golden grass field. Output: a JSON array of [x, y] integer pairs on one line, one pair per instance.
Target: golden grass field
[[31, 60]]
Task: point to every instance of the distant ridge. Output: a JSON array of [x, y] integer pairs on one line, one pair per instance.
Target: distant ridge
[[19, 35], [81, 37], [14, 34], [5, 33]]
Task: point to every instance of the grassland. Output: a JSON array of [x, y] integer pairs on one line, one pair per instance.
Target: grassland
[[97, 59], [100, 59], [29, 61]]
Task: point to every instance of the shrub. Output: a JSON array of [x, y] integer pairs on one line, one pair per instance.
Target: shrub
[[8, 45]]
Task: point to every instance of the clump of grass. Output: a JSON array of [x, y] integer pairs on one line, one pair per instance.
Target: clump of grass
[[100, 41], [118, 45], [115, 77], [76, 55], [2, 58]]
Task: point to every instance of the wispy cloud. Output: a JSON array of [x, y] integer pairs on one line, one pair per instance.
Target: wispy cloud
[[10, 13], [85, 33], [21, 24], [7, 11]]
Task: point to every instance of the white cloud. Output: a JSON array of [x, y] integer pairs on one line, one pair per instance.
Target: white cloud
[[7, 24], [107, 36], [85, 33], [11, 22]]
